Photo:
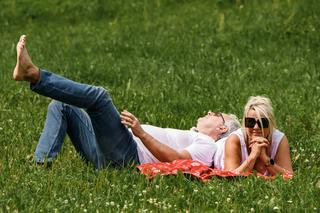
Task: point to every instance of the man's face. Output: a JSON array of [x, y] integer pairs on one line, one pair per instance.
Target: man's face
[[211, 121]]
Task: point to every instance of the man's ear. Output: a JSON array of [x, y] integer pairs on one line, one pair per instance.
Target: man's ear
[[223, 129]]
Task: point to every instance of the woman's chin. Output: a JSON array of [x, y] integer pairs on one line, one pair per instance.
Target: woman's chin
[[257, 134]]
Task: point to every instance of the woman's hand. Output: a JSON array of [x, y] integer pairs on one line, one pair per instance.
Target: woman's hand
[[264, 157], [258, 146], [130, 121]]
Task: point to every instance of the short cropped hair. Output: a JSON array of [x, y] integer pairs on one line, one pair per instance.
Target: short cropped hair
[[232, 124]]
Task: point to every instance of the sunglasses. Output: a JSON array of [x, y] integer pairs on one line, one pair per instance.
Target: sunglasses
[[219, 114], [251, 122]]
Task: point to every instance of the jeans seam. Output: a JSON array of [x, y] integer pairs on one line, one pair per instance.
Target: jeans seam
[[75, 95], [54, 143], [87, 127], [91, 130]]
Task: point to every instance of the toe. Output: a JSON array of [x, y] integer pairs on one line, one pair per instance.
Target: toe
[[22, 38]]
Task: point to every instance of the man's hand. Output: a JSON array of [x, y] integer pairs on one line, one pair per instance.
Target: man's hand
[[161, 151], [130, 121]]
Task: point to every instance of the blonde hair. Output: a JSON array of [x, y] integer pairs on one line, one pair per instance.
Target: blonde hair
[[263, 107]]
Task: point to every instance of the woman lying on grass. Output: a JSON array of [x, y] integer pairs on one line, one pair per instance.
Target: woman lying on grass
[[258, 145]]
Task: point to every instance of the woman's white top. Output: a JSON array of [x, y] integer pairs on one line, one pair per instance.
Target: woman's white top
[[219, 156]]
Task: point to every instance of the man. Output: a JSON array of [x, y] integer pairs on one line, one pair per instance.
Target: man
[[101, 135]]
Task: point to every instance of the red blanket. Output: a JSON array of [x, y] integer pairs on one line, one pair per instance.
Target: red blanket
[[194, 168]]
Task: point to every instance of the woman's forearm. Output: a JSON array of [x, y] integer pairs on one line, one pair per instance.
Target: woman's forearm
[[247, 165], [277, 169]]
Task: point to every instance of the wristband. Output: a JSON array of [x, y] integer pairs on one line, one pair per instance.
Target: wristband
[[270, 162]]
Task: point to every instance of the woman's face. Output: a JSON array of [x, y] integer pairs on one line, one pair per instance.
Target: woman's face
[[256, 130]]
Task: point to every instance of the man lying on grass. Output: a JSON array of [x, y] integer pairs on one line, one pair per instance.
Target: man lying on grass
[[101, 135]]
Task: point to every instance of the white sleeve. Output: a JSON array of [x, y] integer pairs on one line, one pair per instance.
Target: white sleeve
[[202, 150]]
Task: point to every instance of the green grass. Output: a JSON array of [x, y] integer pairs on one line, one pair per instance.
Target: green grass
[[168, 62]]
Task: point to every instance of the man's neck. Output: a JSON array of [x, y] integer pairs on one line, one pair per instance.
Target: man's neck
[[214, 137]]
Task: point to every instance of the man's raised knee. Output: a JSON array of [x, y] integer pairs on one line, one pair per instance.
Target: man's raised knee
[[56, 105], [102, 98]]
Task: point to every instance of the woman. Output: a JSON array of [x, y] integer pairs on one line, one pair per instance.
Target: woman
[[258, 145]]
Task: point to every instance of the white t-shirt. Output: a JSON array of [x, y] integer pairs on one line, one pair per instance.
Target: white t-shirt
[[219, 156], [201, 147]]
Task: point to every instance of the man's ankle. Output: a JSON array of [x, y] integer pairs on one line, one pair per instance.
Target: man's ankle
[[34, 74]]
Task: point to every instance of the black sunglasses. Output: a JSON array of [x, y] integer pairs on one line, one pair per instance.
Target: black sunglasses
[[251, 122], [219, 114], [224, 121]]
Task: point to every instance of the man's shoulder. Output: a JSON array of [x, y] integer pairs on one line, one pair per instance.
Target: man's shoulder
[[200, 138]]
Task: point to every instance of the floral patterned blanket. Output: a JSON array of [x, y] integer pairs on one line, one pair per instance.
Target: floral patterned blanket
[[195, 169]]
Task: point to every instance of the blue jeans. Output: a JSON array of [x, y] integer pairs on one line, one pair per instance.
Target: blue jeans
[[86, 113]]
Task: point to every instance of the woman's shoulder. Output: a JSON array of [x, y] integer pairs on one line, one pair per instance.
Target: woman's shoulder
[[234, 138], [277, 134], [238, 132]]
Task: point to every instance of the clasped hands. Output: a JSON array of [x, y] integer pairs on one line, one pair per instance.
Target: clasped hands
[[259, 148]]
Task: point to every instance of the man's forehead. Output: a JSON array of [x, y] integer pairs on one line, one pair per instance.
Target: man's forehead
[[226, 116]]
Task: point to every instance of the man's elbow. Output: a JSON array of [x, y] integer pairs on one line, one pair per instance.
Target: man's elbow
[[184, 155], [172, 158]]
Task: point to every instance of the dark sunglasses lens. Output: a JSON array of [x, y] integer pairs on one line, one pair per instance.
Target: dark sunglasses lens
[[249, 122], [265, 123]]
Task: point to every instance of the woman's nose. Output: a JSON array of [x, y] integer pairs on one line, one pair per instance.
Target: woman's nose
[[256, 126]]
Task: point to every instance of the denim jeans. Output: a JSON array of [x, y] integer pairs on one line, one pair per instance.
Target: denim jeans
[[86, 113]]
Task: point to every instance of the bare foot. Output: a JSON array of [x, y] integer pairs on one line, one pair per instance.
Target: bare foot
[[25, 70]]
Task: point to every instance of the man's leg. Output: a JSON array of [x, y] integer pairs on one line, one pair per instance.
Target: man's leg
[[114, 142], [61, 119]]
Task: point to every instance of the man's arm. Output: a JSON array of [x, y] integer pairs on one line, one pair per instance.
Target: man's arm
[[161, 151]]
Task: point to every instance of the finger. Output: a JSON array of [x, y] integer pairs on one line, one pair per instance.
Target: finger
[[126, 113], [264, 142], [263, 145], [256, 139], [125, 118], [127, 124], [259, 138], [252, 142], [259, 141], [252, 146]]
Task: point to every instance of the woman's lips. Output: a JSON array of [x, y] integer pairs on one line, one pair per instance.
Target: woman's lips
[[257, 133]]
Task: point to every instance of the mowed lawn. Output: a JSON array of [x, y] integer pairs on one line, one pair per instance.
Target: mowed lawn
[[168, 62]]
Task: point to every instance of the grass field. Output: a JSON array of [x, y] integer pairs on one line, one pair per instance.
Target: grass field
[[168, 62]]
